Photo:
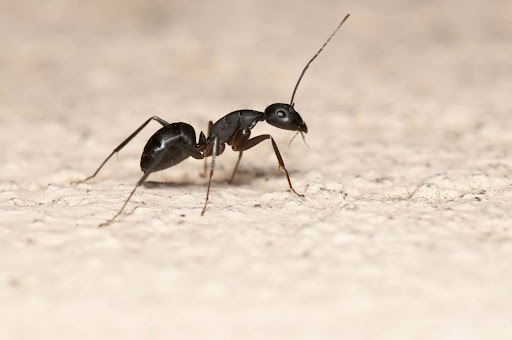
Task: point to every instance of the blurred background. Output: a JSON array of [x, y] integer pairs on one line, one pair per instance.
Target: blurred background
[[90, 72]]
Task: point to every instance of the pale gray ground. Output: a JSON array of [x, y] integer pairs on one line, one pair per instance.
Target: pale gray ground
[[405, 231]]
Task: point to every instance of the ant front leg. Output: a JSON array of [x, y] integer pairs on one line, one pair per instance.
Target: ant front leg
[[258, 139], [123, 144]]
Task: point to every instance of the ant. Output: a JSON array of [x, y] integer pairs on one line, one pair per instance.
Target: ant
[[175, 142]]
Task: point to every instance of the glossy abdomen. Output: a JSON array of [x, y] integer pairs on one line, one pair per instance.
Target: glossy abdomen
[[164, 141]]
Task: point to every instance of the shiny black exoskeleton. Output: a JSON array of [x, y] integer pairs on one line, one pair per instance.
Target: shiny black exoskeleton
[[175, 142], [235, 128]]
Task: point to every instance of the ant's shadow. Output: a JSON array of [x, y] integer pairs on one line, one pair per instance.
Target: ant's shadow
[[242, 177], [153, 184], [247, 176]]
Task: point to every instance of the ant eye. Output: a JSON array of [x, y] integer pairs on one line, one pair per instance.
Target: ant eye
[[281, 113]]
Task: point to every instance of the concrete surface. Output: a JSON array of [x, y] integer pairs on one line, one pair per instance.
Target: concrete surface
[[405, 231]]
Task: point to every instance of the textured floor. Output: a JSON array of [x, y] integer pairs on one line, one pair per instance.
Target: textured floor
[[405, 230]]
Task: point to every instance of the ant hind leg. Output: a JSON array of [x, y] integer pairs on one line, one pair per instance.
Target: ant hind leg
[[122, 145], [149, 170]]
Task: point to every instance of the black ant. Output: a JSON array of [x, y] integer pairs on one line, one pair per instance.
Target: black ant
[[175, 142]]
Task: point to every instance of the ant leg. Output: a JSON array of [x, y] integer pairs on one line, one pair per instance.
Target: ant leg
[[149, 170], [190, 150], [123, 144], [258, 139], [240, 137], [205, 167], [236, 167], [212, 167]]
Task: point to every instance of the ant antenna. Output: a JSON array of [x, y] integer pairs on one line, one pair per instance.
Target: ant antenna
[[316, 55]]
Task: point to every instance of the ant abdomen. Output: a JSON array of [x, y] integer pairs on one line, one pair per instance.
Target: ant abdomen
[[162, 142]]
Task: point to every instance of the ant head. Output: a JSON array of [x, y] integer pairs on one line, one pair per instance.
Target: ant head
[[284, 116]]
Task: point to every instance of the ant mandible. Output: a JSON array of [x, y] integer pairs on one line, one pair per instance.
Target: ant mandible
[[175, 142]]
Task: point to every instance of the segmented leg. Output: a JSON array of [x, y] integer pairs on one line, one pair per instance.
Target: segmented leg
[[123, 144], [236, 167], [212, 167], [258, 139], [149, 170], [191, 151], [240, 137]]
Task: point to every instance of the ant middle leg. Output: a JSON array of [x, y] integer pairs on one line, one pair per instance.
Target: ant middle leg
[[236, 167], [258, 139], [123, 144], [241, 136]]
